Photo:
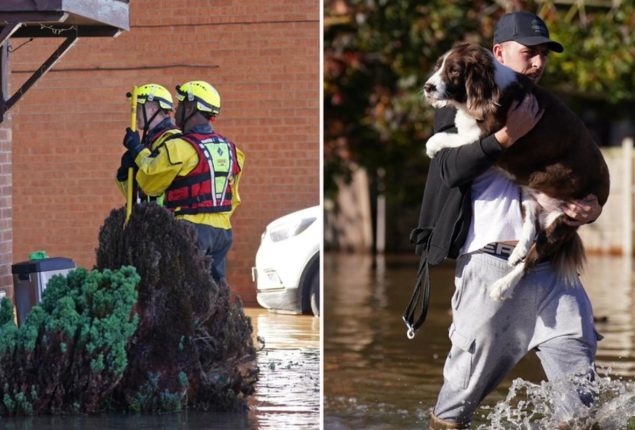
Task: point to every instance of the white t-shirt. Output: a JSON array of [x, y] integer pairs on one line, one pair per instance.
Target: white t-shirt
[[496, 213]]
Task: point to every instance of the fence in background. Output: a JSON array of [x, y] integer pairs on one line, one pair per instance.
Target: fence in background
[[348, 221], [612, 233]]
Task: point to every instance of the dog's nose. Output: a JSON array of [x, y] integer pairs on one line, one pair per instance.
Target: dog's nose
[[428, 87]]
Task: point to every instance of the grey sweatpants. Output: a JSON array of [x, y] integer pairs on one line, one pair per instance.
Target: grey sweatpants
[[489, 337]]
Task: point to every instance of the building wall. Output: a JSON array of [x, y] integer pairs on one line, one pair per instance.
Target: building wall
[[6, 213], [263, 57]]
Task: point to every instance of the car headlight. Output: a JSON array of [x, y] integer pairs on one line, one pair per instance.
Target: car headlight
[[290, 229]]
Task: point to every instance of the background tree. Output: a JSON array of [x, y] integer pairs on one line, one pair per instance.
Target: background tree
[[378, 53]]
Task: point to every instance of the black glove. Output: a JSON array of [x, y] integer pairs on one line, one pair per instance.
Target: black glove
[[127, 161], [132, 142]]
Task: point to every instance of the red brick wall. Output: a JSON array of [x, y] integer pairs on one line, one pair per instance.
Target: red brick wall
[[263, 57], [6, 233]]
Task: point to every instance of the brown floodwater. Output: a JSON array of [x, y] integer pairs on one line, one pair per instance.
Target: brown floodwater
[[287, 394], [375, 378]]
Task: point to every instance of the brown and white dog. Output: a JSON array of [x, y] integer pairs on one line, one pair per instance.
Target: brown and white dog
[[556, 161]]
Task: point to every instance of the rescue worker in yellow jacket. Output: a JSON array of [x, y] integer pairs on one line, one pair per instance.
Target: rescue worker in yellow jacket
[[154, 104], [199, 171]]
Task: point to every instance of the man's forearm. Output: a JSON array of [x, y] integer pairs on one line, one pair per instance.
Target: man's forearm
[[462, 164]]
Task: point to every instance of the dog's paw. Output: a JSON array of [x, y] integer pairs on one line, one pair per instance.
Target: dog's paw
[[495, 293], [500, 290], [435, 144], [516, 257]]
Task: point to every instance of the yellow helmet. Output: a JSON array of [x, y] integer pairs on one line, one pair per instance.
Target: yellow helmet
[[206, 97], [154, 93]]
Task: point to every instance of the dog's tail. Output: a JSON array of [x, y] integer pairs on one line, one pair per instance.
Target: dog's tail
[[561, 244], [570, 259]]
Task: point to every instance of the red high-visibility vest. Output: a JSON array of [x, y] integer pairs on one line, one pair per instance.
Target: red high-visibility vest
[[207, 188]]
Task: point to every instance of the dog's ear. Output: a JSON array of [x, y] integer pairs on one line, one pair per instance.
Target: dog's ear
[[481, 89]]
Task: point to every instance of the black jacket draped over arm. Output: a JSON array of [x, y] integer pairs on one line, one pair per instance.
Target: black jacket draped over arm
[[446, 206]]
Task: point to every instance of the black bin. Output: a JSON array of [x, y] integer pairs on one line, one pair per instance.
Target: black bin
[[30, 279]]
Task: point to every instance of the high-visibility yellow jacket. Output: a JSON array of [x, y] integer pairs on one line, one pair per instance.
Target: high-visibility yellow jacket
[[164, 131], [176, 157]]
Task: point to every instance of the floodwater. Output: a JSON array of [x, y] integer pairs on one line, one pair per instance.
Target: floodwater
[[375, 378], [287, 394]]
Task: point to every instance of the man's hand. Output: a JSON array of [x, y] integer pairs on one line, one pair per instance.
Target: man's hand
[[127, 161], [132, 142], [582, 211], [521, 118]]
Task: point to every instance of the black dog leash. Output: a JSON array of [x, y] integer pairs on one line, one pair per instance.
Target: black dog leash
[[417, 309]]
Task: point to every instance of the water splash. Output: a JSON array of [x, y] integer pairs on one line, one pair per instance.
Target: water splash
[[555, 405]]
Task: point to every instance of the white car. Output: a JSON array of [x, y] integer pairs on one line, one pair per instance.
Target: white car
[[287, 271]]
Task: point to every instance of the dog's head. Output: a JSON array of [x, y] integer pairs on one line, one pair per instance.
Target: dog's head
[[465, 77]]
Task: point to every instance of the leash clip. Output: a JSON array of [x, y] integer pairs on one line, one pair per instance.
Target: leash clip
[[410, 333]]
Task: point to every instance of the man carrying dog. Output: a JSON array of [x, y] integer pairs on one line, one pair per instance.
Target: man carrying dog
[[472, 212]]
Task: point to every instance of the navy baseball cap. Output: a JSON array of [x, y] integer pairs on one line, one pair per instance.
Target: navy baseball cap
[[525, 28]]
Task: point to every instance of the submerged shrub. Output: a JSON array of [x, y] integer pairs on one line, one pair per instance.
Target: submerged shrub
[[147, 331], [194, 341], [69, 354]]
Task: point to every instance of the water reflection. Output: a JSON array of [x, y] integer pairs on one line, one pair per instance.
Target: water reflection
[[609, 282], [288, 392], [287, 395], [374, 377]]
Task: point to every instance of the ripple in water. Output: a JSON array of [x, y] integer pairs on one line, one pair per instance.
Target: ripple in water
[[548, 405]]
